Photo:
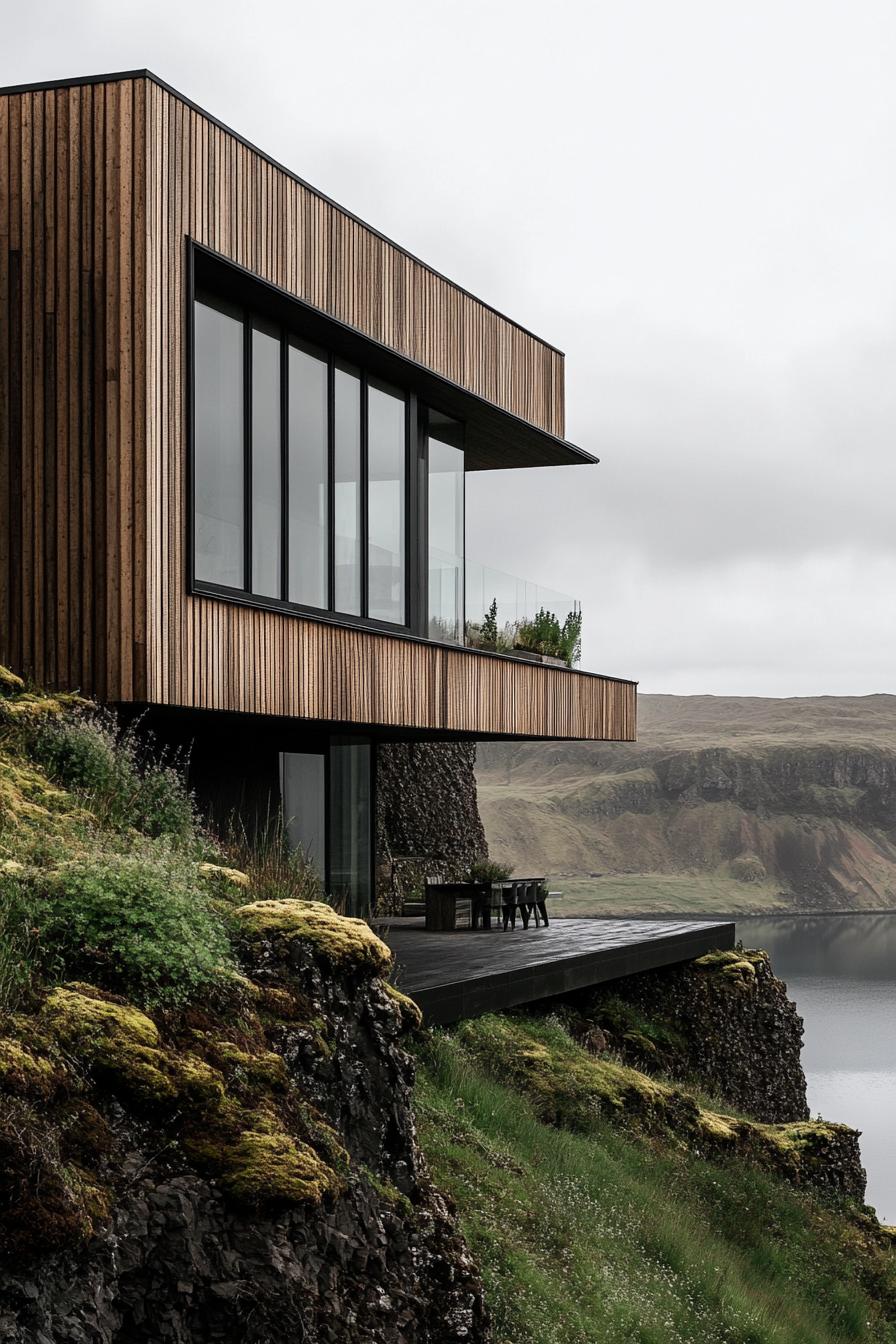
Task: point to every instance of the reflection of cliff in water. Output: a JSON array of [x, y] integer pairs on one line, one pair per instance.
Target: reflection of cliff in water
[[844, 947], [841, 971]]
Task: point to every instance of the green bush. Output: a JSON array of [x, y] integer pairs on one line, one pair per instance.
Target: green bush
[[544, 634], [487, 870], [126, 781], [142, 925]]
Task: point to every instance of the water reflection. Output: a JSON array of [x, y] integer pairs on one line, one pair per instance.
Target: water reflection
[[841, 971]]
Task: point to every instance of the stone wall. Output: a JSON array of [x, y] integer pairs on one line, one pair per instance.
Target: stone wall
[[427, 818]]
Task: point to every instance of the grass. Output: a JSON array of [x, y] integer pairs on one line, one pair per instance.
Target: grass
[[668, 894], [605, 1237]]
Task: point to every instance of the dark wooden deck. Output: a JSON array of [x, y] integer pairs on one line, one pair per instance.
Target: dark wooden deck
[[469, 972]]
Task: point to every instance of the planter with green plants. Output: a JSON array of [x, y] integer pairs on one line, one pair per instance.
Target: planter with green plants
[[546, 640], [488, 635]]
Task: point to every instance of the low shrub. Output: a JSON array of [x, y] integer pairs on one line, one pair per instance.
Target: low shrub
[[487, 870], [544, 634], [142, 925], [125, 779]]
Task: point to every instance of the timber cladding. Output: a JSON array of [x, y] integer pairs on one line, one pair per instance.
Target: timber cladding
[[103, 184]]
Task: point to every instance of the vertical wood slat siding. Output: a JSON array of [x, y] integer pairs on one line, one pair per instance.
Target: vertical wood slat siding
[[72, 248], [103, 185]]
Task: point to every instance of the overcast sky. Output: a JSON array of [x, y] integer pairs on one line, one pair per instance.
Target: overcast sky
[[697, 202]]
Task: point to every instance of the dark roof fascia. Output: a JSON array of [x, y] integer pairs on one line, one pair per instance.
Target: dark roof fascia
[[537, 447], [118, 76]]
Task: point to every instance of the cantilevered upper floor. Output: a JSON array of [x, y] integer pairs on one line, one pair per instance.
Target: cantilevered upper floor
[[236, 428]]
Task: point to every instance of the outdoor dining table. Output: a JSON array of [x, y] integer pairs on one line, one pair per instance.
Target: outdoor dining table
[[452, 905]]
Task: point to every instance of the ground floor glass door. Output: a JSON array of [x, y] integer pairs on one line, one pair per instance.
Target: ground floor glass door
[[327, 799], [349, 825]]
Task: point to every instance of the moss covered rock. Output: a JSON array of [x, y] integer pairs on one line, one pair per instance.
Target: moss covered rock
[[572, 1089], [349, 944]]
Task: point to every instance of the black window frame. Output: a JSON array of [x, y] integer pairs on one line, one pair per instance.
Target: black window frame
[[286, 315]]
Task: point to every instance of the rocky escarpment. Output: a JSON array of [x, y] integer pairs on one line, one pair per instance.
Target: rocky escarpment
[[723, 1022], [765, 814], [245, 1172], [576, 1084], [427, 817]]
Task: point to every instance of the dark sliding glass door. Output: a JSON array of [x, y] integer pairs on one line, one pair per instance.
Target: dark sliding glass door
[[349, 825], [327, 799]]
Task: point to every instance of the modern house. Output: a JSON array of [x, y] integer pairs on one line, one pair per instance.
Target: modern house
[[235, 424]]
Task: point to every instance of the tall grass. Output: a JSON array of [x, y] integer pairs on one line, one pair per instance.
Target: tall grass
[[603, 1238], [277, 870]]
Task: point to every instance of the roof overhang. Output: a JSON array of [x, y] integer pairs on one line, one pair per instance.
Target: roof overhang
[[493, 438]]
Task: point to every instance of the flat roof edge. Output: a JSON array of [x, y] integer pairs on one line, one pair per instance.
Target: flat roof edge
[[117, 76]]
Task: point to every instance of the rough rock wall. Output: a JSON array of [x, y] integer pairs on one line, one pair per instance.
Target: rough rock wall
[[723, 1021], [211, 1219], [427, 817]]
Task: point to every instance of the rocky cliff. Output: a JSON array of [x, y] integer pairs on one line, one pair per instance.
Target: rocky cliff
[[722, 804], [247, 1172]]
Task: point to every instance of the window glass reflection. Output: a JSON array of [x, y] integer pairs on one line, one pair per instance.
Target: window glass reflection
[[218, 446], [266, 463], [347, 488], [308, 483], [386, 469], [446, 528]]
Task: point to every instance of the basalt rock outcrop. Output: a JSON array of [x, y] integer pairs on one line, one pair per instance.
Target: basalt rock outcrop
[[246, 1172], [427, 817], [723, 1022]]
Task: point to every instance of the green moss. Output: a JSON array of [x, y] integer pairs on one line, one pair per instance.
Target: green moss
[[411, 1013], [733, 966], [346, 943], [10, 684], [122, 1044], [574, 1090], [263, 1168], [25, 793], [25, 1074], [262, 1071], [227, 877], [29, 707]]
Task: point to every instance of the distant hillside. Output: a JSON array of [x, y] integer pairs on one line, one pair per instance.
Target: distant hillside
[[724, 804]]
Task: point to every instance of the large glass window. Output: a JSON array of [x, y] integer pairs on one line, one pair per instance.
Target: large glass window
[[266, 463], [347, 488], [302, 476], [445, 460], [219, 466], [308, 476], [386, 472]]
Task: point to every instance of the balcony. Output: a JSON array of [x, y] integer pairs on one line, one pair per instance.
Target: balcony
[[502, 613]]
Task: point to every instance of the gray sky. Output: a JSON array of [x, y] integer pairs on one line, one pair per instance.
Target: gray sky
[[697, 202]]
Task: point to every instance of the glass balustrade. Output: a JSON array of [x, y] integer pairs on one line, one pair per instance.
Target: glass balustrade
[[506, 614]]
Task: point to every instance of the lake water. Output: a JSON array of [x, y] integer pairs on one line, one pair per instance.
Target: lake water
[[841, 972]]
